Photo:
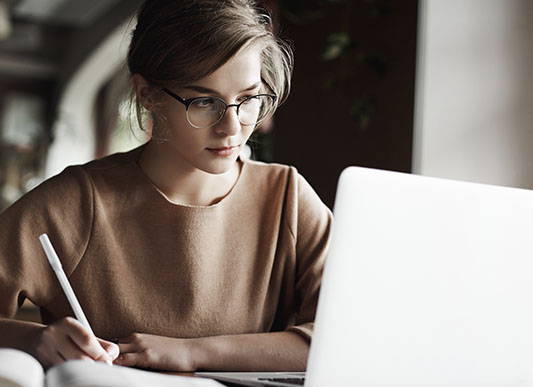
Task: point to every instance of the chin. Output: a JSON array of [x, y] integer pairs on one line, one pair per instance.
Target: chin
[[219, 168]]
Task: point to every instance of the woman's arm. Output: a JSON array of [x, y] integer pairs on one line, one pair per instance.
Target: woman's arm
[[19, 334], [274, 351]]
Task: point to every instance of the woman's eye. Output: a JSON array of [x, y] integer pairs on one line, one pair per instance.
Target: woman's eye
[[247, 99], [204, 102]]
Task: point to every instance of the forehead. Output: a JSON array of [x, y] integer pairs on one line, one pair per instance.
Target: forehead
[[238, 73]]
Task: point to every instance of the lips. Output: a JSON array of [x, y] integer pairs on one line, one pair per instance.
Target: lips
[[224, 148], [224, 151]]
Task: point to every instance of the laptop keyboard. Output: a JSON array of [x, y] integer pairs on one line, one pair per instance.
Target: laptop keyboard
[[295, 381]]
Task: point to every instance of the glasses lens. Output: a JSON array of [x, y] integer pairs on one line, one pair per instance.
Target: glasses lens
[[207, 111], [204, 112], [254, 109]]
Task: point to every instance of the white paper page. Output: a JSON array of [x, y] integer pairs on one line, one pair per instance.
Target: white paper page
[[82, 373], [19, 369]]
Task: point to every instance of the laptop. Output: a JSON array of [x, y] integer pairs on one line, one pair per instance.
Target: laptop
[[428, 282]]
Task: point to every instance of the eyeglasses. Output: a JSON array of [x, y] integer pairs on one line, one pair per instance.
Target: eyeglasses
[[203, 112]]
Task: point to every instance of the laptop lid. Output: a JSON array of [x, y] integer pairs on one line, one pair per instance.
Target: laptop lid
[[428, 282]]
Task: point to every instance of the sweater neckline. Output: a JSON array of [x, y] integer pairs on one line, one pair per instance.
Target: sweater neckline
[[146, 181]]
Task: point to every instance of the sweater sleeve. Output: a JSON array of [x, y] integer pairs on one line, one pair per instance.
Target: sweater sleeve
[[312, 239], [62, 207]]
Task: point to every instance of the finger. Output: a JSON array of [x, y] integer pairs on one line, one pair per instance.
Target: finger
[[104, 359], [128, 359], [127, 347], [128, 339], [68, 350], [85, 340], [112, 349]]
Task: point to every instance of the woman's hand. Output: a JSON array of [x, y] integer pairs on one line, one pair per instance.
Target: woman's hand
[[158, 352], [272, 351], [67, 339]]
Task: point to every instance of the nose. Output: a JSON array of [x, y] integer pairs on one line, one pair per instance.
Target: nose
[[229, 124]]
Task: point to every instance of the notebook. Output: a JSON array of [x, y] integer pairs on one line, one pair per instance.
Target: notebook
[[428, 282], [19, 369]]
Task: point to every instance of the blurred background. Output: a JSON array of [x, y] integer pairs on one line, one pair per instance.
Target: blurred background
[[64, 88], [439, 88]]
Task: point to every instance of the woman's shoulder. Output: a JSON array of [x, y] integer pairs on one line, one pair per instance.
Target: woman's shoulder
[[115, 168], [286, 177], [112, 161], [266, 167], [77, 181], [269, 172], [259, 170]]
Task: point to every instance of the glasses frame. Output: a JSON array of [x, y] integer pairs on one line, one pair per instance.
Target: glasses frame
[[187, 102]]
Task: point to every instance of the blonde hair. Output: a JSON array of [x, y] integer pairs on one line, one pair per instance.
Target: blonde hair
[[177, 42]]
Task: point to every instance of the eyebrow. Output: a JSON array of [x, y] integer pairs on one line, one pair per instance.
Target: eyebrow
[[207, 90]]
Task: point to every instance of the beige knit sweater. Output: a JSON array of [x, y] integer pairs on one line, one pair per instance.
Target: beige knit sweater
[[139, 263]]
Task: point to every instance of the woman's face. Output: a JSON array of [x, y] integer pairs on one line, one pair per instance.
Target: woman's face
[[214, 149]]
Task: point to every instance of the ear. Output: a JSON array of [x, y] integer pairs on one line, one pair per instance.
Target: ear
[[143, 91]]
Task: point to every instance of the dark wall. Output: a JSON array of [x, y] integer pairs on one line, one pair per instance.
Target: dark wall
[[355, 109]]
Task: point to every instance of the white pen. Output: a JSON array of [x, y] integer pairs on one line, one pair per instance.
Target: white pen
[[54, 261]]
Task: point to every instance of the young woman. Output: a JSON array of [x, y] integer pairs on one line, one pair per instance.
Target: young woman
[[190, 257]]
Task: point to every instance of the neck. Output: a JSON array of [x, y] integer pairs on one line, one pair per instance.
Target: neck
[[181, 182]]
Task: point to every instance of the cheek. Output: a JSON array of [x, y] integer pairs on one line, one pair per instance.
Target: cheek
[[173, 115], [174, 124], [186, 138]]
